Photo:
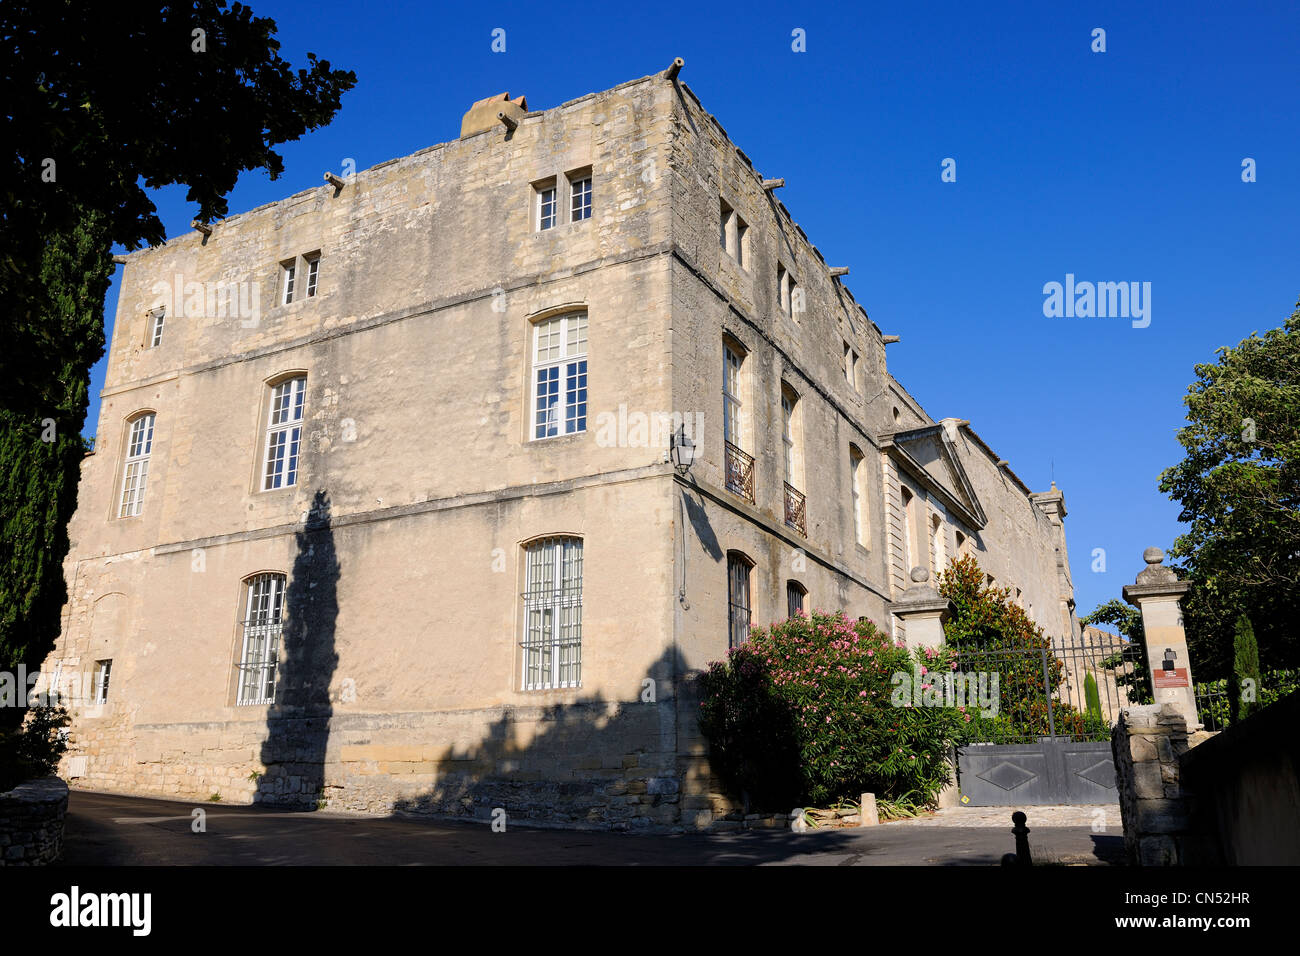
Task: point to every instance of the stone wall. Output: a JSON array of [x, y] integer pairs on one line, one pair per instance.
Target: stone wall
[[31, 822], [1159, 829]]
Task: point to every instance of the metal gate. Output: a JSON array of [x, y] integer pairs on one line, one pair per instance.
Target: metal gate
[[1043, 737]]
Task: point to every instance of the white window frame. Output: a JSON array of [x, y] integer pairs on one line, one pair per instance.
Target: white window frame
[[733, 406], [135, 466], [282, 449], [313, 275], [787, 437], [156, 320], [580, 198], [548, 195], [290, 270], [101, 680], [856, 459], [552, 624], [559, 379], [262, 626]]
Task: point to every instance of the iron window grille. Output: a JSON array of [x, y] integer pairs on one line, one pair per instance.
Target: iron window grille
[[795, 594], [738, 606], [560, 375], [263, 627], [135, 475], [552, 643], [284, 433]]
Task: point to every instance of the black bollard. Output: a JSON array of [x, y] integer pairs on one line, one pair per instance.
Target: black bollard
[[1022, 840]]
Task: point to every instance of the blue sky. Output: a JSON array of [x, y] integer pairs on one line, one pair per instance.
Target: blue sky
[[1117, 166]]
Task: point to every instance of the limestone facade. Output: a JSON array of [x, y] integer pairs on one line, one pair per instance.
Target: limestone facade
[[424, 292]]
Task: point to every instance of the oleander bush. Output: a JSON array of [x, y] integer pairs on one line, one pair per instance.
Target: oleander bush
[[812, 710], [33, 749]]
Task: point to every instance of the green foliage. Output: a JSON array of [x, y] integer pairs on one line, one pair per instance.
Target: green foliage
[[41, 455], [1127, 620], [32, 750], [198, 118], [1092, 696], [988, 632], [803, 714], [1245, 666], [1239, 487]]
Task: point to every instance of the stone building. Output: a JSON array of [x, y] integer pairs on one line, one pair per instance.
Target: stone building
[[381, 515]]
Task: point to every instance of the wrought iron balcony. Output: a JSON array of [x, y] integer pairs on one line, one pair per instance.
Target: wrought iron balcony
[[796, 514], [740, 472]]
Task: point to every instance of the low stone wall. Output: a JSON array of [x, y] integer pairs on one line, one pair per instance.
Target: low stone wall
[[1205, 799], [1243, 788], [31, 822]]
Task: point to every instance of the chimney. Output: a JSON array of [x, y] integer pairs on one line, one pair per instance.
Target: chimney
[[483, 114]]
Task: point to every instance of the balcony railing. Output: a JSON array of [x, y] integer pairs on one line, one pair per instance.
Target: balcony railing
[[740, 473], [796, 514]]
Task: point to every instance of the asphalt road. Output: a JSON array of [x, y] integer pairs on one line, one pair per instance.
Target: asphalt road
[[109, 830]]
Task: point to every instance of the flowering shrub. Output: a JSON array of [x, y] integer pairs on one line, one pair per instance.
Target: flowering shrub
[[802, 713]]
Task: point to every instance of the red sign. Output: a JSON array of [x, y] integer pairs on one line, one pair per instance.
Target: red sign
[[1174, 678]]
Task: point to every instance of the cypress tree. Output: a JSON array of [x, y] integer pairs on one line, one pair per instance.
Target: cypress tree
[[41, 454], [1245, 666], [1092, 696]]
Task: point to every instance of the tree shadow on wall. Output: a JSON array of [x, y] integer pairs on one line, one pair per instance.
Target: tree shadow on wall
[[609, 765], [298, 724]]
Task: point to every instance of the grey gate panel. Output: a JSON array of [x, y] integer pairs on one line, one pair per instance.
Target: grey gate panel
[[1052, 771]]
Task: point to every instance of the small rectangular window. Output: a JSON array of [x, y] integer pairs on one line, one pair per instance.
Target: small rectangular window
[[290, 274], [313, 270], [742, 243], [851, 366], [794, 599], [580, 199], [546, 206], [724, 225], [156, 328], [102, 670]]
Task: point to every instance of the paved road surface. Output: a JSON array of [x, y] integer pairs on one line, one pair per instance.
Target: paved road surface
[[104, 829]]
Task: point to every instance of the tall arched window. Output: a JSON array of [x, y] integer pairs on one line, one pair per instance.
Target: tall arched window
[[857, 480], [135, 471], [560, 375], [909, 561], [796, 597], [284, 433], [938, 546], [552, 642], [262, 626], [739, 613]]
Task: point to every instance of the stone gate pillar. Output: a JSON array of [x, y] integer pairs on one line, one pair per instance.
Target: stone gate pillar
[[1156, 594], [922, 610]]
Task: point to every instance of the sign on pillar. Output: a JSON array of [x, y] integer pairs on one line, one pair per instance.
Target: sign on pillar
[[1157, 593]]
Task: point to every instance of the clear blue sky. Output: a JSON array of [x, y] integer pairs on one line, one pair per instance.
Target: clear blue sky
[[1115, 166]]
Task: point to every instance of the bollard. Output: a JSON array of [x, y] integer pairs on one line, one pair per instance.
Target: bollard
[[1022, 840]]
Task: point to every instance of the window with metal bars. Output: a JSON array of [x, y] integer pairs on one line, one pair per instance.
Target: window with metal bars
[[284, 433], [560, 375], [795, 595], [552, 640], [135, 472], [262, 627], [738, 607]]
